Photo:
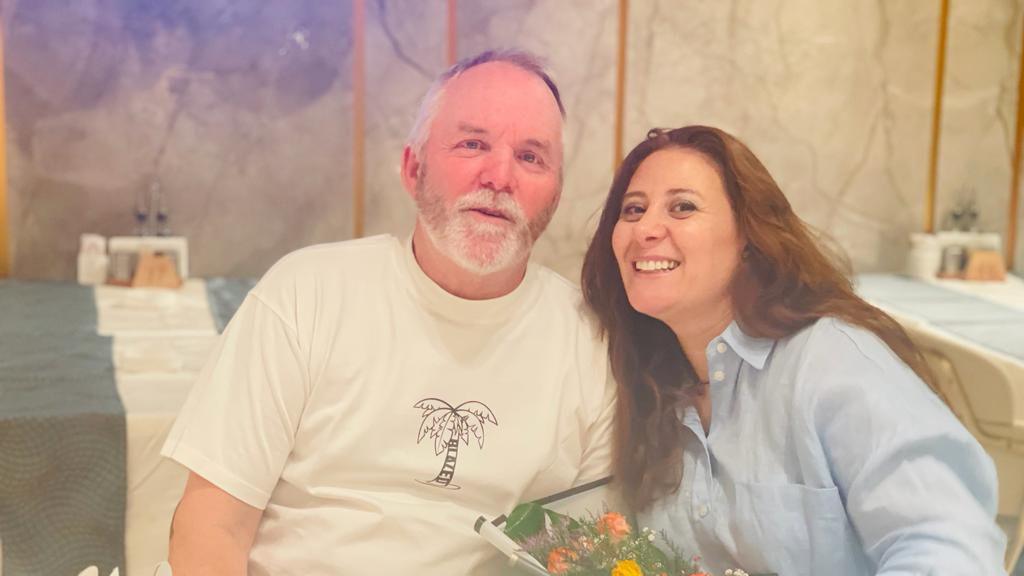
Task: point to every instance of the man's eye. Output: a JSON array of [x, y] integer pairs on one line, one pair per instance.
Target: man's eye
[[473, 145], [530, 157]]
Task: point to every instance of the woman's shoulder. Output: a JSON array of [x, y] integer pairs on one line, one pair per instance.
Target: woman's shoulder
[[832, 352], [833, 357], [837, 340]]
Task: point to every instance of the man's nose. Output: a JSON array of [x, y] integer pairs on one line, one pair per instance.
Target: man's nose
[[497, 172]]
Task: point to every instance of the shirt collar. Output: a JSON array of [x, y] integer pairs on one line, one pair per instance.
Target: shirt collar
[[753, 351]]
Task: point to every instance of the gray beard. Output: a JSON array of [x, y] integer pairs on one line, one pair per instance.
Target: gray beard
[[478, 247]]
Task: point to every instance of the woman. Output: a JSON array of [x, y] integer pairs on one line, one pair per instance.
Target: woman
[[770, 419]]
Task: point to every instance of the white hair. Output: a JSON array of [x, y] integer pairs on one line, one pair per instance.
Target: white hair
[[432, 99]]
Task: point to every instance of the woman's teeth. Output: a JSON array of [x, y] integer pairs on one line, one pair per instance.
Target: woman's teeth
[[654, 265]]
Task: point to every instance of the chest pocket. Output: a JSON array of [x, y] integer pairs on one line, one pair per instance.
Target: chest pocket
[[794, 530]]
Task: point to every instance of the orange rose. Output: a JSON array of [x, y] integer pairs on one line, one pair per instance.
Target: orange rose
[[559, 560], [614, 525]]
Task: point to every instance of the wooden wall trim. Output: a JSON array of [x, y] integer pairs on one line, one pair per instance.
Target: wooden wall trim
[[1010, 248], [358, 118], [620, 85], [940, 78], [5, 230], [452, 43]]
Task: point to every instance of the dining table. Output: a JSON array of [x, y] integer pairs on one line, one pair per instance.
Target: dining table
[[91, 380]]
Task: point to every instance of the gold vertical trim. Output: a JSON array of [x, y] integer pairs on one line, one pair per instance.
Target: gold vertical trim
[[940, 78], [358, 117], [5, 231], [452, 44], [1011, 226], [620, 85]]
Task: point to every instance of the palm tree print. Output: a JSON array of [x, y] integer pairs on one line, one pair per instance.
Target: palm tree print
[[448, 426]]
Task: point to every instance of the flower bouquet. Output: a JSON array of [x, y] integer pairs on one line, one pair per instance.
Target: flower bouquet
[[604, 545]]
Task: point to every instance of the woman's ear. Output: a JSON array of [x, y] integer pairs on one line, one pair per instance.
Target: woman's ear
[[411, 167]]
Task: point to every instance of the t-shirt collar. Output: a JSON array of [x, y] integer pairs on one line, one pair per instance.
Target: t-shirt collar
[[440, 301]]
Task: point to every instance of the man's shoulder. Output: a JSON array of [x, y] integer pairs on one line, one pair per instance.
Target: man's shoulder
[[554, 285], [560, 297], [370, 246], [334, 257], [328, 266]]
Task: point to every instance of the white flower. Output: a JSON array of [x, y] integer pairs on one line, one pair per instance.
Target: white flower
[[94, 571]]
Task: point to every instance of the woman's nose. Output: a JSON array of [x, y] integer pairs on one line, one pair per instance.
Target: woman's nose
[[649, 229]]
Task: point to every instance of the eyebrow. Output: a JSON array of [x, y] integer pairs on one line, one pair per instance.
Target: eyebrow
[[542, 145], [670, 192], [677, 191], [470, 128]]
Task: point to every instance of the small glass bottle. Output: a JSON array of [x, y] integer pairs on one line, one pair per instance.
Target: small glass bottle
[[142, 213], [159, 205]]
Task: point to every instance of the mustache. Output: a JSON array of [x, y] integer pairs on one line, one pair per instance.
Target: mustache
[[491, 201]]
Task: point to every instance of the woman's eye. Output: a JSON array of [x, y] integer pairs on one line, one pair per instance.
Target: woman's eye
[[631, 212], [682, 208]]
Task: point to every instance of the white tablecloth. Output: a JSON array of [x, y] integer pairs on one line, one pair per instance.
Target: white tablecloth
[[161, 339]]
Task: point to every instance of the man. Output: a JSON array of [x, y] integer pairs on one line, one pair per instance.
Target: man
[[371, 398]]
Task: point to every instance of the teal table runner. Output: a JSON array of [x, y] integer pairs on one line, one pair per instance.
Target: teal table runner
[[62, 434], [977, 320]]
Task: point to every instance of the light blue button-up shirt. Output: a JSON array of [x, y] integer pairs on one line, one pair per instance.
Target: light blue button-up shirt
[[827, 455]]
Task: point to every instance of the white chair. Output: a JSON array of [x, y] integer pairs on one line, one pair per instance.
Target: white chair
[[987, 394]]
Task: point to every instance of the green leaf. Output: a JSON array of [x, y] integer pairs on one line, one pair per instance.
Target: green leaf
[[660, 556], [524, 521], [559, 519]]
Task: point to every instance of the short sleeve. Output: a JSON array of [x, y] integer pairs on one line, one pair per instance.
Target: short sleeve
[[238, 425]]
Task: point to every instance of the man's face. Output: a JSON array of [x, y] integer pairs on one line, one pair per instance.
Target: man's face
[[489, 175]]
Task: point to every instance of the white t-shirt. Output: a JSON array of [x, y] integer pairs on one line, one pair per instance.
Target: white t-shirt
[[374, 416]]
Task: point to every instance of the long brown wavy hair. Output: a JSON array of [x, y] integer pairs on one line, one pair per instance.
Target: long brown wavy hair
[[786, 280]]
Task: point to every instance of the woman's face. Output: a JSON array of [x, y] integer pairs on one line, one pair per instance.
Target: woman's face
[[676, 240]]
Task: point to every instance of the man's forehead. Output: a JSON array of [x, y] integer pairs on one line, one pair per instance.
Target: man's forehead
[[499, 90]]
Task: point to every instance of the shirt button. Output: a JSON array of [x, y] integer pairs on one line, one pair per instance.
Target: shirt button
[[718, 375], [721, 347], [702, 511]]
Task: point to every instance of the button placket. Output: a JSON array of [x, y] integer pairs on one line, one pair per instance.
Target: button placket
[[700, 483]]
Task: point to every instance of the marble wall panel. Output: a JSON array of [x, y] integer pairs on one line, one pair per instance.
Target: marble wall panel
[[405, 51], [979, 110], [833, 96], [239, 109], [244, 111], [578, 39]]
